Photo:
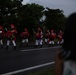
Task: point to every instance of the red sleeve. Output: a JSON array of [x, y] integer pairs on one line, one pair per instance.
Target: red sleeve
[[15, 31], [28, 34], [3, 33], [21, 34]]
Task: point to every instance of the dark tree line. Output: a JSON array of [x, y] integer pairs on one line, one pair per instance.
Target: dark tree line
[[30, 16]]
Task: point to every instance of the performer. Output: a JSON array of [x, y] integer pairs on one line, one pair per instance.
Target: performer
[[60, 38], [38, 39], [10, 34], [2, 34], [24, 35], [52, 38], [47, 36], [41, 33]]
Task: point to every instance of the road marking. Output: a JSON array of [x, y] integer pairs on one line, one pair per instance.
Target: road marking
[[27, 69], [40, 49]]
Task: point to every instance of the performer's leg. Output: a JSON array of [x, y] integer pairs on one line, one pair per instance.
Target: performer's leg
[[23, 41], [62, 41], [46, 40], [40, 41], [27, 41], [58, 42], [36, 43], [50, 43], [8, 42], [1, 41], [14, 43]]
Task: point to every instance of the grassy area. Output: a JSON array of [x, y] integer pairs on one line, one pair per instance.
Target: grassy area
[[43, 72]]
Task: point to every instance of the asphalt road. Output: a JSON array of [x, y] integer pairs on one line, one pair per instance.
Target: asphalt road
[[24, 59]]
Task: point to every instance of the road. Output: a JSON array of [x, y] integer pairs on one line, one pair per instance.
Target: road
[[22, 60]]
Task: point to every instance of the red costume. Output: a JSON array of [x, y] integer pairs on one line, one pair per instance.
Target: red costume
[[51, 38], [25, 34], [10, 34], [1, 36], [52, 35], [1, 32], [60, 35], [38, 36], [40, 32], [47, 35]]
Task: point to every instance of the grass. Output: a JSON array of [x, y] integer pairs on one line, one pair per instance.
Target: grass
[[43, 72]]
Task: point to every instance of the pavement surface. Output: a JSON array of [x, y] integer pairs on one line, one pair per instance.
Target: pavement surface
[[25, 59]]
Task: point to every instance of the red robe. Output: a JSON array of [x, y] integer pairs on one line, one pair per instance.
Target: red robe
[[38, 36], [11, 34], [53, 36], [24, 34]]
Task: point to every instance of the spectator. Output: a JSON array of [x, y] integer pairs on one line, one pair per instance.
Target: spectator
[[66, 56]]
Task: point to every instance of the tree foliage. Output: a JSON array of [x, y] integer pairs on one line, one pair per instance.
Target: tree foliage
[[9, 10], [30, 15], [55, 19]]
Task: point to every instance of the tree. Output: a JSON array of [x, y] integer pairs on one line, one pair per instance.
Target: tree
[[9, 11], [54, 19], [29, 16]]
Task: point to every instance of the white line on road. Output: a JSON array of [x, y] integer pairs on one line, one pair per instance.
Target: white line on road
[[40, 48], [30, 68]]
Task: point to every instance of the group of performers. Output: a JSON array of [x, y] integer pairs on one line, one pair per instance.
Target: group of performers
[[10, 34], [50, 37]]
